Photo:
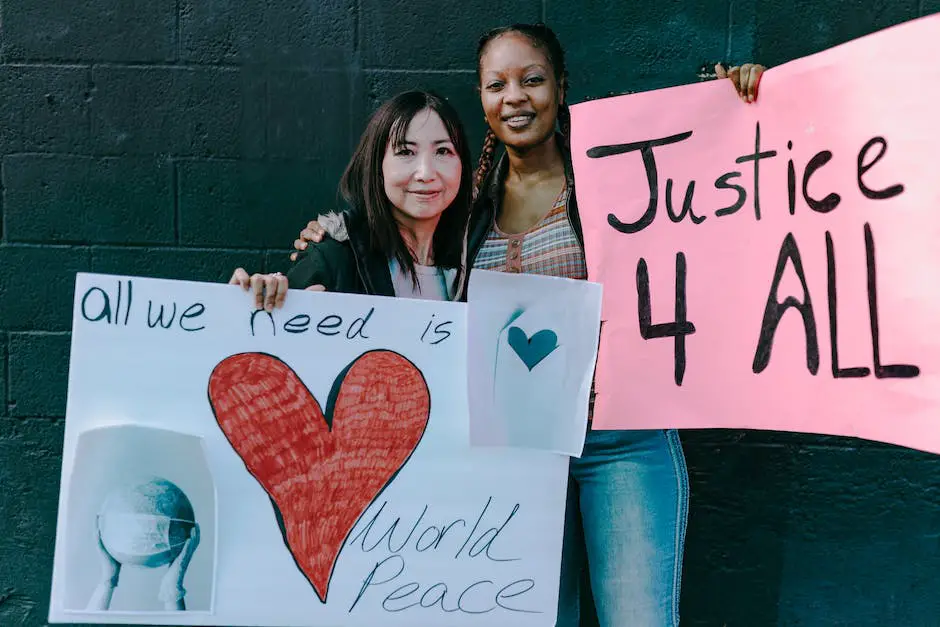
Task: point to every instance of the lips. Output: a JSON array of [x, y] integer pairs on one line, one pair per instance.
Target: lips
[[425, 195], [518, 120]]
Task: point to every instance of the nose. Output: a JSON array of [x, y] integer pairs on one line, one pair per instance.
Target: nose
[[424, 169], [514, 93]]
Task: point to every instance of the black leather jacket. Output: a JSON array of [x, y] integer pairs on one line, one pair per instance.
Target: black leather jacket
[[346, 262]]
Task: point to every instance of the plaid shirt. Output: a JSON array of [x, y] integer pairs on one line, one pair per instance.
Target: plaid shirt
[[548, 248]]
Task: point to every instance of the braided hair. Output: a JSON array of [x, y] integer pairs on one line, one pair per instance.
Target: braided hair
[[542, 37], [485, 162]]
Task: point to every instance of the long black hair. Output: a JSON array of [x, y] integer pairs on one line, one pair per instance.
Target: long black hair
[[362, 185], [544, 38]]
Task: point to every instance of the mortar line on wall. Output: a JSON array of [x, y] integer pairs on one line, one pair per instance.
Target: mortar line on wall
[[92, 247], [152, 65], [544, 10], [730, 25], [920, 8], [267, 114], [175, 187], [3, 213], [182, 158], [266, 256], [90, 82], [179, 38], [37, 333], [353, 76], [357, 9], [72, 64], [6, 370], [416, 71]]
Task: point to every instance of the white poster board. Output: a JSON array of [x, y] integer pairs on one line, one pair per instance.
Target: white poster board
[[309, 467]]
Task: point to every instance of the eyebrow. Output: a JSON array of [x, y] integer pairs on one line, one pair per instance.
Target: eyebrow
[[405, 142], [531, 66]]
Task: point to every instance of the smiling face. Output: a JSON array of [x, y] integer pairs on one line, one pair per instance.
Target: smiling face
[[422, 171], [518, 90]]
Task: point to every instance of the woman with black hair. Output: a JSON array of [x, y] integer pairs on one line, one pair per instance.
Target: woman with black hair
[[407, 191]]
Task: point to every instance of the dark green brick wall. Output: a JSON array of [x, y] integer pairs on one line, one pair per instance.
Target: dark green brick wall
[[178, 138]]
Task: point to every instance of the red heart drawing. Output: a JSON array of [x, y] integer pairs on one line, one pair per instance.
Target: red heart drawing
[[321, 471]]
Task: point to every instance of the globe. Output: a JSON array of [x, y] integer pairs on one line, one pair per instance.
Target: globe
[[145, 523]]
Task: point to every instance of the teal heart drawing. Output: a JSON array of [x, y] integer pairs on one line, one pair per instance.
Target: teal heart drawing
[[532, 350]]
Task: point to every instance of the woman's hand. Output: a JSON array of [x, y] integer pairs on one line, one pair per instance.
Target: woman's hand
[[110, 567], [269, 290], [313, 233], [172, 591], [100, 599], [744, 77]]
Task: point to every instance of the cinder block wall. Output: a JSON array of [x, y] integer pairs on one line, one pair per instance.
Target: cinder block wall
[[180, 138]]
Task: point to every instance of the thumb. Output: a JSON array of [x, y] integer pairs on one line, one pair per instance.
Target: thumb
[[720, 71], [315, 288]]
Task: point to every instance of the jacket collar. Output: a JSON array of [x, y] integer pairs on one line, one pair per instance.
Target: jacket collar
[[374, 268]]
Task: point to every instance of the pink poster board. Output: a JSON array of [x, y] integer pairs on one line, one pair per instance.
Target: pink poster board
[[831, 179]]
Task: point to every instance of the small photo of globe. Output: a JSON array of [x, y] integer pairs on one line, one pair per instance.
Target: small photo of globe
[[145, 523]]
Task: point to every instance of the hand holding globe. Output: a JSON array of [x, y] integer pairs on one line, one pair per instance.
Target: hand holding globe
[[172, 591], [148, 524]]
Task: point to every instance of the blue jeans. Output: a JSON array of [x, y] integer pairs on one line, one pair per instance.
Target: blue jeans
[[628, 499]]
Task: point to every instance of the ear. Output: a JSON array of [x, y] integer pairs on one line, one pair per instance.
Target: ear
[[562, 90]]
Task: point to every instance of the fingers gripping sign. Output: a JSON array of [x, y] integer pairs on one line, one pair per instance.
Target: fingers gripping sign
[[268, 290], [745, 79], [239, 277]]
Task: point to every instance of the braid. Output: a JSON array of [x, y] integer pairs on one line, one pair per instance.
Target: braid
[[486, 161]]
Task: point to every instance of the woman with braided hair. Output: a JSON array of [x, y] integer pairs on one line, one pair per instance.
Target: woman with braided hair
[[628, 492]]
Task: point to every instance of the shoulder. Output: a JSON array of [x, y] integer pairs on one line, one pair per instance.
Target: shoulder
[[327, 263], [334, 252]]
